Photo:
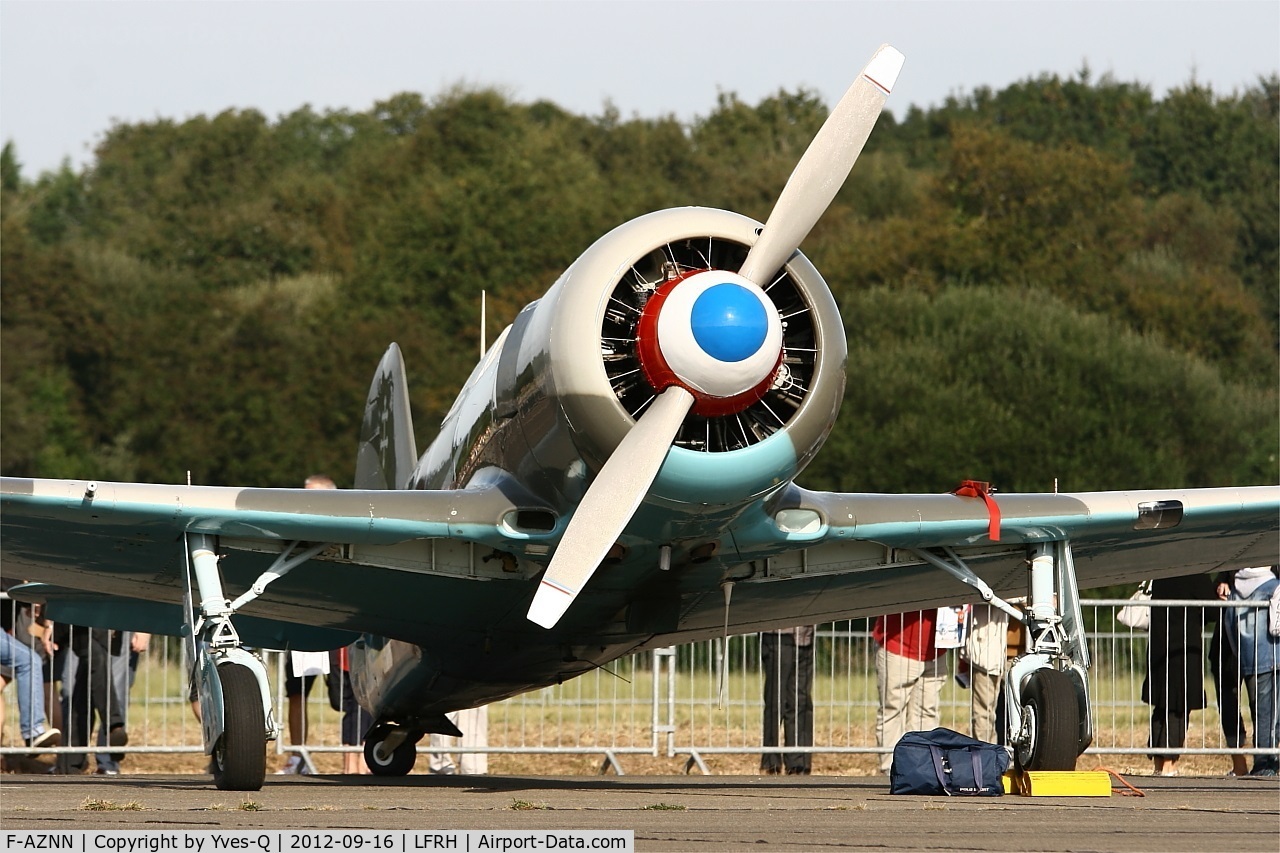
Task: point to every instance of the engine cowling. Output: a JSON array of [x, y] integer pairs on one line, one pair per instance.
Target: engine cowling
[[657, 302]]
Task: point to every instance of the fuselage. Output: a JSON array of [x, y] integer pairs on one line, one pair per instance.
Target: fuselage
[[556, 393]]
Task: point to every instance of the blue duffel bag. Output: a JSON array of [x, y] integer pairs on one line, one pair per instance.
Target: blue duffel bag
[[946, 762]]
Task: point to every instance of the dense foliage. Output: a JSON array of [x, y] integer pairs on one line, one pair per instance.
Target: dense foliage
[[1066, 281]]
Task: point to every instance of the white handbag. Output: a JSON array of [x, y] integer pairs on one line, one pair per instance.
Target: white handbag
[[309, 663], [1137, 614]]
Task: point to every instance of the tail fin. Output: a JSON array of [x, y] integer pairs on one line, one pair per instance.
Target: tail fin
[[387, 453]]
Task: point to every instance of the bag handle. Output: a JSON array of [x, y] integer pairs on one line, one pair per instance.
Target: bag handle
[[975, 758], [936, 754]]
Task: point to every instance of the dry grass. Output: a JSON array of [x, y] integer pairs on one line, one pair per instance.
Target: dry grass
[[94, 805], [525, 806]]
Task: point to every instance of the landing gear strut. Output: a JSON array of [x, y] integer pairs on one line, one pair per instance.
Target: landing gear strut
[[235, 699], [1046, 690]]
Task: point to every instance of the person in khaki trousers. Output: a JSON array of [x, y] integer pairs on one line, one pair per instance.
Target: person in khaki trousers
[[985, 651], [910, 672]]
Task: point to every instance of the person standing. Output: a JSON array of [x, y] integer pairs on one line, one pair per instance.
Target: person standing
[[355, 719], [124, 670], [301, 671], [474, 725], [1174, 686], [91, 687], [1224, 664], [910, 672], [297, 685], [1258, 643], [786, 657], [985, 643], [109, 762]]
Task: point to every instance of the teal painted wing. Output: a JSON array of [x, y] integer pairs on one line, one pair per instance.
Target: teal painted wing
[[96, 610], [810, 557], [114, 553], [316, 515], [1117, 537]]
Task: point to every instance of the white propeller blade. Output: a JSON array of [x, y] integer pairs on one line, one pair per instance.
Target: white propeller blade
[[608, 505], [822, 170], [626, 476]]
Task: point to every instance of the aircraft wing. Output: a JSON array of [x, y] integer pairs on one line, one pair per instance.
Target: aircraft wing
[[112, 555], [450, 571], [804, 556], [811, 557]]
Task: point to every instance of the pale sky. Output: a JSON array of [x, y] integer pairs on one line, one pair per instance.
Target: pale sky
[[69, 70]]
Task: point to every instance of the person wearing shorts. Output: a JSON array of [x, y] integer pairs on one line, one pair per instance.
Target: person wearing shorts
[[296, 690]]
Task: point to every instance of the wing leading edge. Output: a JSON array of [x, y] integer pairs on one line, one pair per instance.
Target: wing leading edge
[[939, 520], [1117, 536], [812, 557], [1217, 527], [316, 515], [124, 541]]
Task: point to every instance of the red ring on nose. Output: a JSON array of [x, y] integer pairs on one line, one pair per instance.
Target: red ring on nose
[[658, 373]]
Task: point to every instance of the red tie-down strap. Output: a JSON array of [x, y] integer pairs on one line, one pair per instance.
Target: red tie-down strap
[[979, 489]]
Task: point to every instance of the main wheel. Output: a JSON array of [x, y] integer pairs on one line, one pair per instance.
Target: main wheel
[[240, 755], [382, 762], [1050, 722]]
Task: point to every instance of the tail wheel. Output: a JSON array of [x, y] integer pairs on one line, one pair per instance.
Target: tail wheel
[[1050, 722], [384, 762], [240, 755]]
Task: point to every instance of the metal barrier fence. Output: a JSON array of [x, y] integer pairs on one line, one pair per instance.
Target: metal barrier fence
[[691, 703]]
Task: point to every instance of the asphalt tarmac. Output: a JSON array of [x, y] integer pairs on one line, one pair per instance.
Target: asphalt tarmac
[[695, 813]]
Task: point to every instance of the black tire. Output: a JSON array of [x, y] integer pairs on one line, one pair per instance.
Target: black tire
[[1051, 719], [240, 755], [399, 762]]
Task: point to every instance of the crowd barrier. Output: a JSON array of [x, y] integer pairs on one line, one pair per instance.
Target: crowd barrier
[[690, 705]]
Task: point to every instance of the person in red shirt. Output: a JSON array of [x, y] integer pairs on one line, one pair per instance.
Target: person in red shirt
[[910, 672]]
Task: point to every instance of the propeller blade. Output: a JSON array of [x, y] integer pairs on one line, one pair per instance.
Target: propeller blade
[[608, 505], [822, 170]]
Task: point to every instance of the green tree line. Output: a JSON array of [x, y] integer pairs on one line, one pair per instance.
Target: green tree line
[[1067, 281]]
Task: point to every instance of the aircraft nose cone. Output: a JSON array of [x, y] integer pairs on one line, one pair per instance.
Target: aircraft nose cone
[[729, 323], [717, 334]]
